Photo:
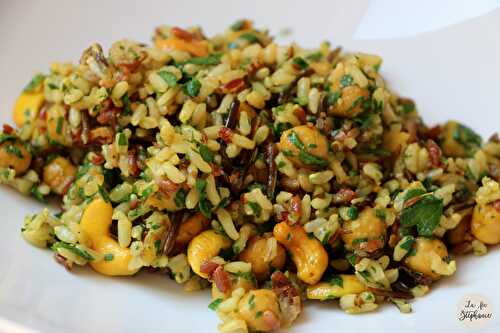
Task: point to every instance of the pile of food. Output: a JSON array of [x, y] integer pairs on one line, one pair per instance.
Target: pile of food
[[270, 174]]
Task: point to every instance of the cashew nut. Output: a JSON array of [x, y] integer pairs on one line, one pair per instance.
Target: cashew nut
[[204, 247], [307, 253], [347, 284], [95, 224], [27, 107]]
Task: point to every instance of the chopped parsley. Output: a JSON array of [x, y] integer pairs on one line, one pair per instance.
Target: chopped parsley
[[336, 280], [206, 153], [14, 150], [251, 38], [169, 78], [34, 83], [74, 249], [300, 63], [255, 207], [108, 257], [425, 214], [213, 59], [127, 110], [215, 304], [192, 88], [204, 205], [346, 80], [469, 139], [180, 198]]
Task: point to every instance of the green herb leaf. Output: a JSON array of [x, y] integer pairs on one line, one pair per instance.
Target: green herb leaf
[[309, 159], [215, 304], [39, 196], [213, 59], [180, 198], [206, 153], [59, 125], [255, 207], [127, 110], [336, 280], [104, 194], [467, 138], [238, 25], [346, 80], [249, 37], [333, 97], [169, 78], [300, 62], [251, 302], [70, 247], [108, 257], [14, 150], [6, 137], [122, 139], [192, 88], [295, 140], [352, 213], [34, 83], [425, 214], [408, 244]]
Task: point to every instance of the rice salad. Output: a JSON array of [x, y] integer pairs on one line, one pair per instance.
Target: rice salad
[[269, 174]]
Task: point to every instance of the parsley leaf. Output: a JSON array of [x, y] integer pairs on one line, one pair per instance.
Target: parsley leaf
[[425, 214], [215, 304], [206, 153], [169, 78], [213, 59], [192, 88], [34, 83]]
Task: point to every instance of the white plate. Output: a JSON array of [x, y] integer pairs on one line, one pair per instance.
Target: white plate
[[452, 73]]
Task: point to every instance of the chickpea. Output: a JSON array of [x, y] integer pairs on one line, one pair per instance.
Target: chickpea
[[350, 103], [260, 309], [15, 155], [303, 139], [367, 227], [425, 250], [58, 174], [162, 201], [254, 254], [485, 224]]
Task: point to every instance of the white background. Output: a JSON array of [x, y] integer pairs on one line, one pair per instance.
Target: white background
[[452, 71]]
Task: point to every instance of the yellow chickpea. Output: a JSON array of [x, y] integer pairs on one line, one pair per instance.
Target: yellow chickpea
[[15, 155], [254, 254], [58, 174], [350, 103], [485, 225], [304, 139], [260, 309], [425, 250], [367, 232]]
